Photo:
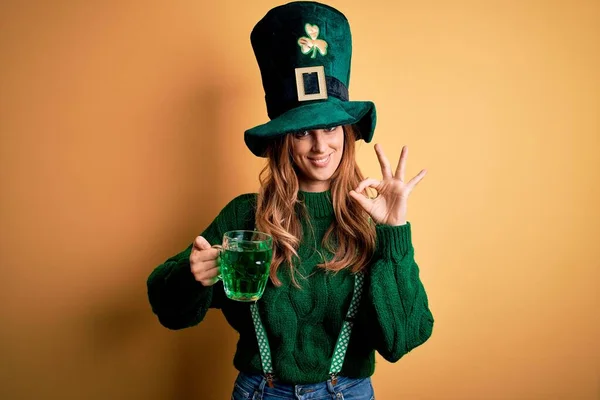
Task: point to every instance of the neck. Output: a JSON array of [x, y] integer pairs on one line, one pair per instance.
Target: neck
[[314, 187]]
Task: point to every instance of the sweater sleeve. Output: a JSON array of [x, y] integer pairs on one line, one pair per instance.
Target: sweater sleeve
[[400, 309], [177, 299]]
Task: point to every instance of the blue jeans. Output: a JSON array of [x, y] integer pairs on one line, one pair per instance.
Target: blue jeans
[[255, 387]]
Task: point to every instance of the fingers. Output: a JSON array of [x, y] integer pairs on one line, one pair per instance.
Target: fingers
[[415, 181], [203, 262], [201, 244], [203, 251], [207, 277], [362, 200], [205, 271], [401, 168], [386, 169], [369, 182], [201, 267], [204, 255]]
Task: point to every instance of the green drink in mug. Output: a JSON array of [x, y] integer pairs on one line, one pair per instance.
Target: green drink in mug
[[245, 261]]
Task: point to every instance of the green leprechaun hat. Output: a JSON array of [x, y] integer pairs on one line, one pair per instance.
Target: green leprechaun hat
[[304, 51]]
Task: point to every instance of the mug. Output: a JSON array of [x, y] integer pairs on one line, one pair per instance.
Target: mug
[[245, 261]]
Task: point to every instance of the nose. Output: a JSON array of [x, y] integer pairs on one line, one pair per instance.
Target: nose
[[319, 144]]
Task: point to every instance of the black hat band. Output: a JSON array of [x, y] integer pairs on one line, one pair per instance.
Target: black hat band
[[287, 98]]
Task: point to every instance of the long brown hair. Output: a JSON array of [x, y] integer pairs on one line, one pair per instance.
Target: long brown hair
[[351, 236]]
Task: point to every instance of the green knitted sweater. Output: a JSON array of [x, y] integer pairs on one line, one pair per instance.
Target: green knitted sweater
[[303, 324]]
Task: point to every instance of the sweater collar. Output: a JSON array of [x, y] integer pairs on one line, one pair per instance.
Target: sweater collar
[[318, 204]]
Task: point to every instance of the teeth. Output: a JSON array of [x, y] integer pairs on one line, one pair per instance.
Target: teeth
[[320, 160]]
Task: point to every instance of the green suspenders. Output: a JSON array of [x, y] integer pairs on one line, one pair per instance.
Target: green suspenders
[[341, 346]]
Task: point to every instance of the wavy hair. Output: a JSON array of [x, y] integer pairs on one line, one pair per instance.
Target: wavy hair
[[350, 237]]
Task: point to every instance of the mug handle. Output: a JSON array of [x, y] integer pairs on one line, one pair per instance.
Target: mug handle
[[220, 248]]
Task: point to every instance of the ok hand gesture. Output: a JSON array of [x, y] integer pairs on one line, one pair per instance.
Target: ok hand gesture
[[389, 207]]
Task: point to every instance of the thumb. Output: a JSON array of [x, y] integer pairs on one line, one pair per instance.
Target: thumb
[[362, 200], [201, 244]]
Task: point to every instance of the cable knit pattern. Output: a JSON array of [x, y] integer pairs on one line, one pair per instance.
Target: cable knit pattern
[[303, 324]]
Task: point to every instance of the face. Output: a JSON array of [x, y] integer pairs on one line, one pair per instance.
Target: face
[[317, 154]]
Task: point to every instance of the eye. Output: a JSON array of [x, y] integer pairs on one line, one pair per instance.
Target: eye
[[301, 134], [332, 129]]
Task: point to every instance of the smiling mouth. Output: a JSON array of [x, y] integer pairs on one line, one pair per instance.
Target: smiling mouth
[[321, 161]]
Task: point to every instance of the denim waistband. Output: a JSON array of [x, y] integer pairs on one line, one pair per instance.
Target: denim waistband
[[258, 383]]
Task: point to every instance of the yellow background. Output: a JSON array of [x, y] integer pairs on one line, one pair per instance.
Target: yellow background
[[121, 138]]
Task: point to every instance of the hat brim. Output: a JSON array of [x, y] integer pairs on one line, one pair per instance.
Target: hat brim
[[316, 115]]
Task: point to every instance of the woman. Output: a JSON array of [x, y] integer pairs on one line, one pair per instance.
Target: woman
[[343, 280]]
